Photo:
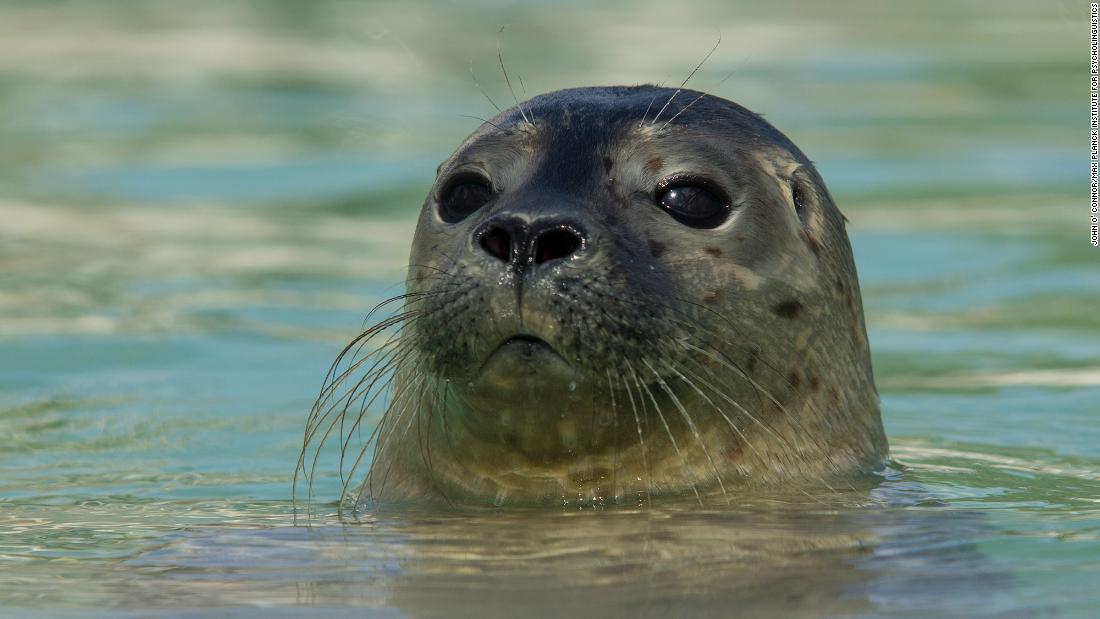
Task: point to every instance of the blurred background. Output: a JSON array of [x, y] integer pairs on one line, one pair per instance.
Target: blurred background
[[200, 201]]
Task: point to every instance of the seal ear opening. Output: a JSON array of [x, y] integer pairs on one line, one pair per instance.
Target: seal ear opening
[[800, 197], [796, 196]]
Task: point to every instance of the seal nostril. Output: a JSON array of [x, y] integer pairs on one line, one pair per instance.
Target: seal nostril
[[498, 243], [557, 243]]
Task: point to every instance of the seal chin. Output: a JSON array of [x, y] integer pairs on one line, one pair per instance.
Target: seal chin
[[527, 400]]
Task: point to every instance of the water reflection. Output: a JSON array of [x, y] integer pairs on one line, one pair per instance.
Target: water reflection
[[765, 560]]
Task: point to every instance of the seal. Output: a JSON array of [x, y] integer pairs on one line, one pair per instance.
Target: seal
[[614, 295]]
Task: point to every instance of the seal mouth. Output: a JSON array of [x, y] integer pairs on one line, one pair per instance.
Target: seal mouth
[[522, 354], [526, 346]]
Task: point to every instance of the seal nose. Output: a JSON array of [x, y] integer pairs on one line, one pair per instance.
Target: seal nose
[[519, 243]]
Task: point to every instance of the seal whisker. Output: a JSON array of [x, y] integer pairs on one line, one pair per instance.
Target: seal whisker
[[758, 388], [374, 440], [488, 122], [741, 373], [388, 370], [690, 422], [737, 430], [694, 101], [482, 90], [379, 434], [641, 441], [684, 372], [790, 448], [384, 359], [423, 439], [729, 362], [664, 422], [317, 417], [457, 454], [400, 297], [383, 390], [392, 346], [722, 394], [714, 335], [333, 382], [433, 405], [646, 113], [764, 362], [326, 385], [413, 414], [500, 58], [686, 80], [682, 110], [615, 437], [430, 267], [724, 359]]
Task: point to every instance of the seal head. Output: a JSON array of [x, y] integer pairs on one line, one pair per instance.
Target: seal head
[[622, 293]]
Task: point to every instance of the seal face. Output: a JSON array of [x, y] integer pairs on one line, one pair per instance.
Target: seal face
[[618, 294]]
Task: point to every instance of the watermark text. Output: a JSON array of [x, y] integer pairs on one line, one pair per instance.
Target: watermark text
[[1094, 126]]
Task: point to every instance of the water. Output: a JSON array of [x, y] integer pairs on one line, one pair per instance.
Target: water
[[200, 204]]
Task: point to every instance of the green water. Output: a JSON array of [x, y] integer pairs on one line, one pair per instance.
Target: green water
[[199, 202]]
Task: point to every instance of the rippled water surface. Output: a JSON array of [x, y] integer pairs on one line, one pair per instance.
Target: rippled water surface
[[199, 202]]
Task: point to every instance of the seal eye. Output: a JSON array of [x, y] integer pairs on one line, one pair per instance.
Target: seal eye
[[693, 203], [462, 196]]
